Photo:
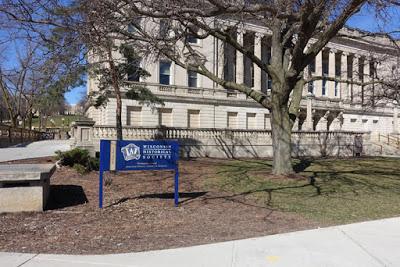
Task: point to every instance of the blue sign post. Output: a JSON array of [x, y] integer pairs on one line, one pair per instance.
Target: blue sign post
[[123, 155]]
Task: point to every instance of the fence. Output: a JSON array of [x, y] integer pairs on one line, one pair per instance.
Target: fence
[[11, 136]]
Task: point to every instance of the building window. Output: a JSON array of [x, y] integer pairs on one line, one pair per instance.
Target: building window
[[375, 121], [267, 122], [336, 88], [165, 117], [266, 82], [269, 82], [324, 87], [193, 118], [248, 71], [134, 25], [133, 69], [338, 64], [192, 78], [165, 25], [165, 72], [133, 116], [312, 66], [311, 87], [350, 67], [232, 121], [361, 69], [230, 60], [251, 122], [325, 63], [353, 120], [192, 39]]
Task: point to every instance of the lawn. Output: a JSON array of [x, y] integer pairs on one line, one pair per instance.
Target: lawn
[[331, 191], [220, 200], [57, 120]]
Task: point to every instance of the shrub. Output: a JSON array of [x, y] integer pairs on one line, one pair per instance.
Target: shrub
[[80, 168], [79, 159]]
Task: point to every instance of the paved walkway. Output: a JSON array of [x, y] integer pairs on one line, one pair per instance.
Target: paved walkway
[[33, 150], [374, 243]]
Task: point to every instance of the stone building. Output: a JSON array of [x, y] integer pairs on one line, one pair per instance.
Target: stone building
[[195, 102]]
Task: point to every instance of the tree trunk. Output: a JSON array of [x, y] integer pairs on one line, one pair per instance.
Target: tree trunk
[[30, 116], [281, 140], [115, 84], [118, 117]]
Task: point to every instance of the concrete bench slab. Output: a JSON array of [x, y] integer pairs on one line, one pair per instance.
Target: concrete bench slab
[[24, 187]]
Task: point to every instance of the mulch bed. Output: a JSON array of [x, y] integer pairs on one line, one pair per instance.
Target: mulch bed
[[139, 214]]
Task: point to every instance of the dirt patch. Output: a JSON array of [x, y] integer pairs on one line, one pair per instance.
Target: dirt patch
[[139, 214]]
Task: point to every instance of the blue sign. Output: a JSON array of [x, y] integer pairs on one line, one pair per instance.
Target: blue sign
[[123, 155]]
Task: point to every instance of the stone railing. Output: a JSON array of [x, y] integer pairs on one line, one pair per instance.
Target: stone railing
[[10, 136], [198, 92], [223, 142]]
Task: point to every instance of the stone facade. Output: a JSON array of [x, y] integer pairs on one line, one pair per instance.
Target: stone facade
[[195, 102]]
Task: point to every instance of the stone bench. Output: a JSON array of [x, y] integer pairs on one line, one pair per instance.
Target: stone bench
[[24, 187]]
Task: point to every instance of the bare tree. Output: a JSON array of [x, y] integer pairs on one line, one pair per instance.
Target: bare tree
[[82, 24]]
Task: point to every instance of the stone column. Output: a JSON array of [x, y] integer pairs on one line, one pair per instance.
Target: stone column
[[257, 53], [395, 117], [221, 63], [367, 78], [309, 118], [318, 72], [332, 74], [344, 90], [239, 60], [356, 88]]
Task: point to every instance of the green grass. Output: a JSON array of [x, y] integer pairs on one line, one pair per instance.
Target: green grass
[[57, 119], [344, 191]]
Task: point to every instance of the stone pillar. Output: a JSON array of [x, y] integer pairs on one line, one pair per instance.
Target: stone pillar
[[83, 134], [239, 60], [331, 73], [309, 119], [318, 72], [356, 88], [221, 63], [257, 53], [367, 78], [344, 90], [395, 117]]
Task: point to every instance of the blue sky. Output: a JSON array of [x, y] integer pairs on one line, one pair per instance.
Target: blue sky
[[365, 20]]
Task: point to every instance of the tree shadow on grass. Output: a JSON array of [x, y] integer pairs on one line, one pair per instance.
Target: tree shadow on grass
[[62, 196], [302, 165]]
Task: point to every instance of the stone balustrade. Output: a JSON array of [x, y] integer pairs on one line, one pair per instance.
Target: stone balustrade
[[11, 136], [222, 143]]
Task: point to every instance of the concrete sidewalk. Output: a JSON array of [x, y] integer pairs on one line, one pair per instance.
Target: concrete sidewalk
[[37, 149], [374, 243]]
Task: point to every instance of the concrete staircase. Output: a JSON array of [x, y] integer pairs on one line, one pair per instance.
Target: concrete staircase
[[387, 145]]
